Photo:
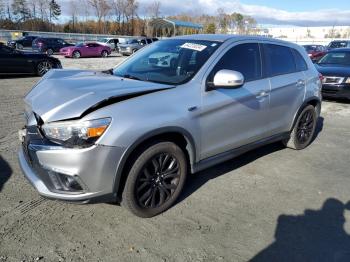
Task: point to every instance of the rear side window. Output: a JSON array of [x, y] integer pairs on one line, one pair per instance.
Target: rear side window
[[299, 61], [279, 60], [149, 41], [338, 44], [244, 58]]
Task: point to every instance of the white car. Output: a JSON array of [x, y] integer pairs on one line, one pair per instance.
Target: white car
[[111, 42]]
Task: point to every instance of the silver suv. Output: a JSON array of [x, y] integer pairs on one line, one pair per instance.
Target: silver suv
[[133, 133]]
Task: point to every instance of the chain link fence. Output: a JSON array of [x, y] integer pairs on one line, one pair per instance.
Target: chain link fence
[[6, 35]]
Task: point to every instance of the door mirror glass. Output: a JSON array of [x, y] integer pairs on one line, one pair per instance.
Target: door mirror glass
[[227, 79]]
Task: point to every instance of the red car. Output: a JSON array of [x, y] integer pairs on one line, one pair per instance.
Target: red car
[[86, 50], [315, 52]]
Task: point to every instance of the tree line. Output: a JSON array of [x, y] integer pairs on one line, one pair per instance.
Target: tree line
[[120, 17]]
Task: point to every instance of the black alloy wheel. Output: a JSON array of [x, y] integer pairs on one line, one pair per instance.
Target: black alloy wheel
[[157, 181], [305, 127]]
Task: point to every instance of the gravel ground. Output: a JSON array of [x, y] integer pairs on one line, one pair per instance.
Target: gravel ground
[[272, 204]]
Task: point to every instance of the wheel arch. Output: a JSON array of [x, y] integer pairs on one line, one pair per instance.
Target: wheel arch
[[179, 136], [314, 101]]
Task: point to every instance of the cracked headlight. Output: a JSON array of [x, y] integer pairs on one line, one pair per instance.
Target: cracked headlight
[[76, 133]]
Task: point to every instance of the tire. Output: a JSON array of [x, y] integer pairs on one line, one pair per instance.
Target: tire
[[76, 54], [304, 129], [43, 67], [149, 190], [49, 52], [104, 54]]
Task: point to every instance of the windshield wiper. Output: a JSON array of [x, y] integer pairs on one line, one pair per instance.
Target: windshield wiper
[[132, 77]]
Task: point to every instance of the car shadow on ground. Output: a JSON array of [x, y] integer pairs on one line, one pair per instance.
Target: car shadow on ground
[[316, 235], [5, 172], [195, 181]]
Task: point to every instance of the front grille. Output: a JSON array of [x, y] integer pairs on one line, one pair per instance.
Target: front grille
[[332, 80]]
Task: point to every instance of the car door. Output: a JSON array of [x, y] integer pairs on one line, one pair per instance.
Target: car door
[[231, 118], [287, 85], [93, 49], [13, 61]]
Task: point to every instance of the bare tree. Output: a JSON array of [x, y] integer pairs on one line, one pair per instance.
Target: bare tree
[[73, 4], [101, 9], [153, 9], [2, 9]]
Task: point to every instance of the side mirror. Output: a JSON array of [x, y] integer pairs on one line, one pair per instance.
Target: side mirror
[[226, 79]]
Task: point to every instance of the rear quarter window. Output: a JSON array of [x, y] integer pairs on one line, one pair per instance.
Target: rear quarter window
[[300, 63], [279, 60]]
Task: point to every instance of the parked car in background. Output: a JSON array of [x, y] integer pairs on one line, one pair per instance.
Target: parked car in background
[[111, 42], [132, 45], [134, 132], [86, 50], [335, 68], [49, 45], [25, 41], [339, 44], [315, 52], [13, 61]]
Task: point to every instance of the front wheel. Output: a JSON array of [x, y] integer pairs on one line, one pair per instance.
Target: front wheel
[[303, 130], [155, 179], [104, 53], [76, 54]]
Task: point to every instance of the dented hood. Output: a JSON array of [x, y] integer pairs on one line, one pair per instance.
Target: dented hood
[[67, 94]]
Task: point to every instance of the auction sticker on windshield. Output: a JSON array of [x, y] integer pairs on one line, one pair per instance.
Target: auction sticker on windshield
[[196, 47]]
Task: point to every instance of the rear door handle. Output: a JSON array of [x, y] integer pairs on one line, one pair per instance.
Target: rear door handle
[[300, 83], [262, 94]]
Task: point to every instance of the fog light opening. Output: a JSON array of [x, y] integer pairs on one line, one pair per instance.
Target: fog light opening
[[62, 182]]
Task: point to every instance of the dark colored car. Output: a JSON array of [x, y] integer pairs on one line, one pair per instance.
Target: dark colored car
[[49, 45], [25, 41], [339, 44], [335, 68], [86, 50], [315, 52], [13, 61]]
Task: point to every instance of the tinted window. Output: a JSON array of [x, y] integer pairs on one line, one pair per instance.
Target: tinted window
[[244, 58], [143, 41], [299, 61], [5, 50], [149, 41], [279, 60]]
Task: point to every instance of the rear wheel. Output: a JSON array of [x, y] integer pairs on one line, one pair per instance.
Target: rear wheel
[[76, 54], [155, 180], [49, 52], [43, 67], [303, 130], [104, 53]]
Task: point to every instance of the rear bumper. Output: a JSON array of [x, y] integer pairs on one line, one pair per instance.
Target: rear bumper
[[336, 91], [93, 168]]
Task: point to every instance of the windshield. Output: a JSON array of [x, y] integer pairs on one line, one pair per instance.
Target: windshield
[[131, 41], [310, 48], [169, 61], [104, 40], [341, 58], [338, 44], [80, 45]]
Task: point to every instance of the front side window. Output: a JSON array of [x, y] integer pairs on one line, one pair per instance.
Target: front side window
[[279, 60], [172, 61], [244, 58], [338, 44]]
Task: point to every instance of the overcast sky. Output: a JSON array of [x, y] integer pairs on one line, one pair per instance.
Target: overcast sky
[[279, 12]]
